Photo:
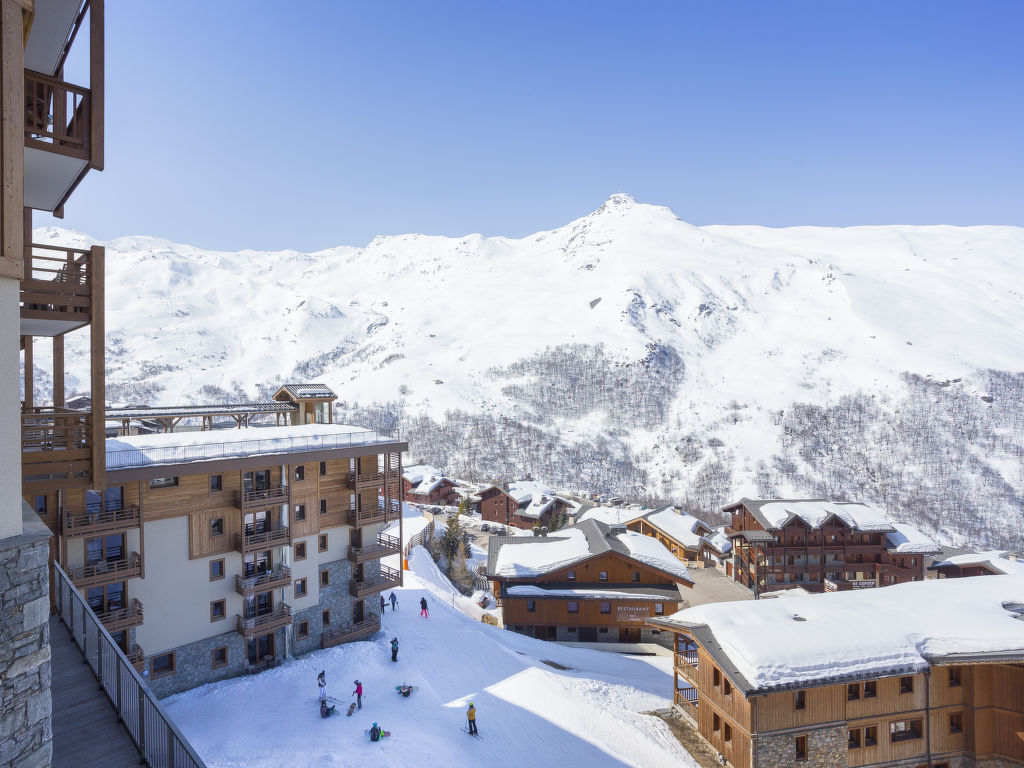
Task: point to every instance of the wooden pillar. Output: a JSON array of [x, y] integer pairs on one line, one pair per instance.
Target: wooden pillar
[[12, 141], [96, 83], [58, 371], [29, 370], [97, 365]]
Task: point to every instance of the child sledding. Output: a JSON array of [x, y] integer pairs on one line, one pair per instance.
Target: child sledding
[[327, 711], [405, 690], [376, 733]]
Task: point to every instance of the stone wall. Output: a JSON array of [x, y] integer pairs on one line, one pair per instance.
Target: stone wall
[[826, 748], [193, 663], [337, 598], [25, 709]]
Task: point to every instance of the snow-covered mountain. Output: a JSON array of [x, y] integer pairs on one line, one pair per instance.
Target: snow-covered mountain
[[626, 351]]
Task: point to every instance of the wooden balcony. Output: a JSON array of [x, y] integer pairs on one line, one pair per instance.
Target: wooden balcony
[[137, 657], [57, 116], [100, 523], [374, 514], [122, 618], [56, 289], [359, 630], [107, 571], [389, 578], [56, 450], [264, 582], [686, 665], [251, 539], [370, 480], [384, 547], [687, 699], [259, 625], [255, 501]]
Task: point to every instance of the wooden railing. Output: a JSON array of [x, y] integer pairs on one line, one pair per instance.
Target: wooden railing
[[57, 115], [263, 582], [275, 536], [389, 578], [57, 280], [107, 571], [56, 449], [96, 523], [159, 742], [384, 546], [279, 617], [687, 697], [367, 480], [359, 629], [375, 513], [268, 497], [122, 618], [416, 540], [137, 658]]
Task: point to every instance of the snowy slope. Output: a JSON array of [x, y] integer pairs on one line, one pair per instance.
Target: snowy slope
[[710, 335], [588, 714]]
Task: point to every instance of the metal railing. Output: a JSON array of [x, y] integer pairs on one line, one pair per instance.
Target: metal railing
[[157, 738], [128, 458]]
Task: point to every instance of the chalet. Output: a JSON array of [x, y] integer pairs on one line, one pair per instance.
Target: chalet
[[588, 583], [822, 545], [991, 563], [685, 536], [423, 484], [524, 504], [928, 673]]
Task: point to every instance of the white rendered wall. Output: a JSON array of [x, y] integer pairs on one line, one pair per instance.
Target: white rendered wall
[[10, 409]]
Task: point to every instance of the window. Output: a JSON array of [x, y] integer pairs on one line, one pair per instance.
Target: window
[[218, 610], [634, 576], [904, 730], [606, 607], [163, 482], [300, 472], [954, 677], [906, 684], [572, 630], [571, 576], [217, 526], [602, 575], [853, 738], [302, 630], [716, 677], [659, 609], [853, 692], [727, 732], [162, 665], [323, 469], [800, 747], [913, 561], [300, 587], [220, 657], [217, 484], [572, 606], [716, 722], [956, 722], [217, 569], [323, 506], [602, 630], [800, 700], [300, 550], [325, 617], [325, 578], [870, 689], [322, 542], [871, 736], [300, 512], [726, 687], [531, 606]]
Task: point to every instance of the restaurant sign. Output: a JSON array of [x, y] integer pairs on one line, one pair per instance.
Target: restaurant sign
[[632, 613]]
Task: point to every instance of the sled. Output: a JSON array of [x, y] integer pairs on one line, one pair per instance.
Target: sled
[[351, 709], [383, 734], [409, 689]]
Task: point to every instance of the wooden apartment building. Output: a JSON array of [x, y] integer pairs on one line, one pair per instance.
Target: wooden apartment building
[[822, 546], [587, 583], [921, 675], [524, 504], [423, 484]]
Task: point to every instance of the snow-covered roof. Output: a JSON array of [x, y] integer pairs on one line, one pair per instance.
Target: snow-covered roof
[[827, 638], [187, 447], [534, 498], [610, 515], [307, 392], [995, 560], [775, 513], [719, 541], [646, 592], [424, 478], [907, 539], [684, 528], [652, 552]]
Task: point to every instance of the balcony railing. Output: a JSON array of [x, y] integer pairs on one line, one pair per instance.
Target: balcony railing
[[57, 450], [360, 629], [122, 618], [107, 571], [687, 664], [267, 497], [137, 657], [389, 578], [98, 523], [57, 116], [258, 625], [56, 283], [384, 546], [687, 697], [369, 480], [373, 514], [251, 539], [263, 582]]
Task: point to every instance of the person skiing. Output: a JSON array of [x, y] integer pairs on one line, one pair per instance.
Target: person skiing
[[394, 649], [358, 693], [394, 601], [375, 733], [321, 681], [382, 604], [423, 608], [326, 711], [471, 714]]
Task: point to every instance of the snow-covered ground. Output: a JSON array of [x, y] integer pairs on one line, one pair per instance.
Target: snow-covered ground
[[528, 712]]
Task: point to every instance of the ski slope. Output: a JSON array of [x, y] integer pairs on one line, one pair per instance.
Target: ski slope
[[588, 714]]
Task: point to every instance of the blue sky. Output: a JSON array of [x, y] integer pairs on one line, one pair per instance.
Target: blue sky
[[235, 125]]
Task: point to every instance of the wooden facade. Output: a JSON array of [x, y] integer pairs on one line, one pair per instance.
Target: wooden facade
[[443, 493], [499, 506]]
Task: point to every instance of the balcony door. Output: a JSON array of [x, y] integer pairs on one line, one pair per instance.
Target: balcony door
[[257, 563], [107, 500], [256, 522], [260, 605], [258, 480], [107, 549], [260, 648], [357, 612], [106, 598]]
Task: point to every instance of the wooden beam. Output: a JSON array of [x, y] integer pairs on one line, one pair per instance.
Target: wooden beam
[[12, 140], [96, 83], [29, 370], [58, 371], [97, 364]]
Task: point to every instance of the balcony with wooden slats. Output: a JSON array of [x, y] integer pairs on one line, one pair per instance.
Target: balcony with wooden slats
[[263, 582], [686, 663], [122, 618], [383, 547], [374, 514], [137, 657], [357, 631], [368, 481], [252, 539], [268, 622], [56, 289], [107, 571], [57, 450], [256, 501], [100, 523], [389, 578]]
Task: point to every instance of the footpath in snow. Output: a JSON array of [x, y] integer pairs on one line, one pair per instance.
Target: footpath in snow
[[529, 712]]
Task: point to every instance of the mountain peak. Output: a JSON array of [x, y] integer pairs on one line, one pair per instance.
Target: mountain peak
[[618, 201]]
